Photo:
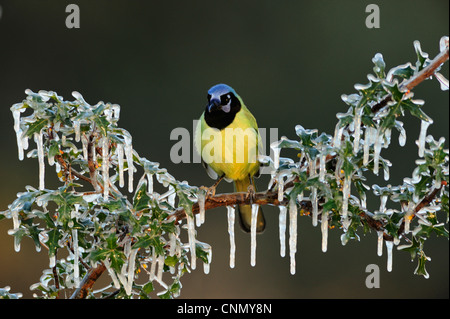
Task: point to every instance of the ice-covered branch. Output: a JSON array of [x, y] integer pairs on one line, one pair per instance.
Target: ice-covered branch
[[421, 76]]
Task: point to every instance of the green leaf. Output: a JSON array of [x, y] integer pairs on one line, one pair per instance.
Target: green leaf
[[416, 110], [36, 127], [102, 123], [171, 261], [54, 236], [141, 200], [148, 287]]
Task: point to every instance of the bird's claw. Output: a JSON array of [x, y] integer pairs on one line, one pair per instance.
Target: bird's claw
[[209, 191], [250, 193]]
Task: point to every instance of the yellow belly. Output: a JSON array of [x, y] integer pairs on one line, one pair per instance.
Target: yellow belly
[[232, 151]]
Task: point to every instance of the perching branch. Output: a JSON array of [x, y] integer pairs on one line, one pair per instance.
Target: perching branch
[[271, 198]]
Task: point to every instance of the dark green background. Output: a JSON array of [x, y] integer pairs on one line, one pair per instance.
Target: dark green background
[[289, 60]]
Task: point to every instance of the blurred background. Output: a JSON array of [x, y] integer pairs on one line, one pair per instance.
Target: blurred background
[[290, 61]]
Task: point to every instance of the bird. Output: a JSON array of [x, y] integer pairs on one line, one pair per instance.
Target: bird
[[228, 140]]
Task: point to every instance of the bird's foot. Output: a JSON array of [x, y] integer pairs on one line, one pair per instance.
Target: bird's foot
[[250, 193], [209, 191]]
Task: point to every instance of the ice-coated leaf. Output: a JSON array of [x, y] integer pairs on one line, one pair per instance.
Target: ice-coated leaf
[[141, 199]]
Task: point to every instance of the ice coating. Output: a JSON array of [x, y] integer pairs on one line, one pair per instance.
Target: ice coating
[[231, 220]]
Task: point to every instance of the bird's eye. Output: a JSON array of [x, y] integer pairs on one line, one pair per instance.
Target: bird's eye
[[209, 97], [225, 99]]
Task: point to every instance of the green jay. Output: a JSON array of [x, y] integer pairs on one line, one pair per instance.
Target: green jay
[[228, 140]]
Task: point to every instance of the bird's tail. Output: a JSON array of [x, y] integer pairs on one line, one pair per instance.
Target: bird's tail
[[245, 211]]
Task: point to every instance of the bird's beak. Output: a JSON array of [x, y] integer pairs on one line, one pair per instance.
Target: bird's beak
[[213, 104]]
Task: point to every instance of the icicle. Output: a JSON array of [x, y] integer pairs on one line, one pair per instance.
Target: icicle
[[389, 248], [280, 187], [16, 225], [345, 196], [380, 243], [357, 133], [159, 274], [129, 156], [282, 230], [40, 150], [255, 208], [149, 183], [387, 138], [292, 233], [383, 200], [111, 273], [171, 196], [231, 218], [119, 150], [191, 238], [324, 229], [315, 206], [322, 169], [85, 142], [338, 135], [377, 151], [20, 144], [105, 167], [402, 136], [76, 256], [206, 266], [153, 265], [386, 172], [369, 138], [130, 274], [77, 129], [200, 218], [422, 136], [276, 157]]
